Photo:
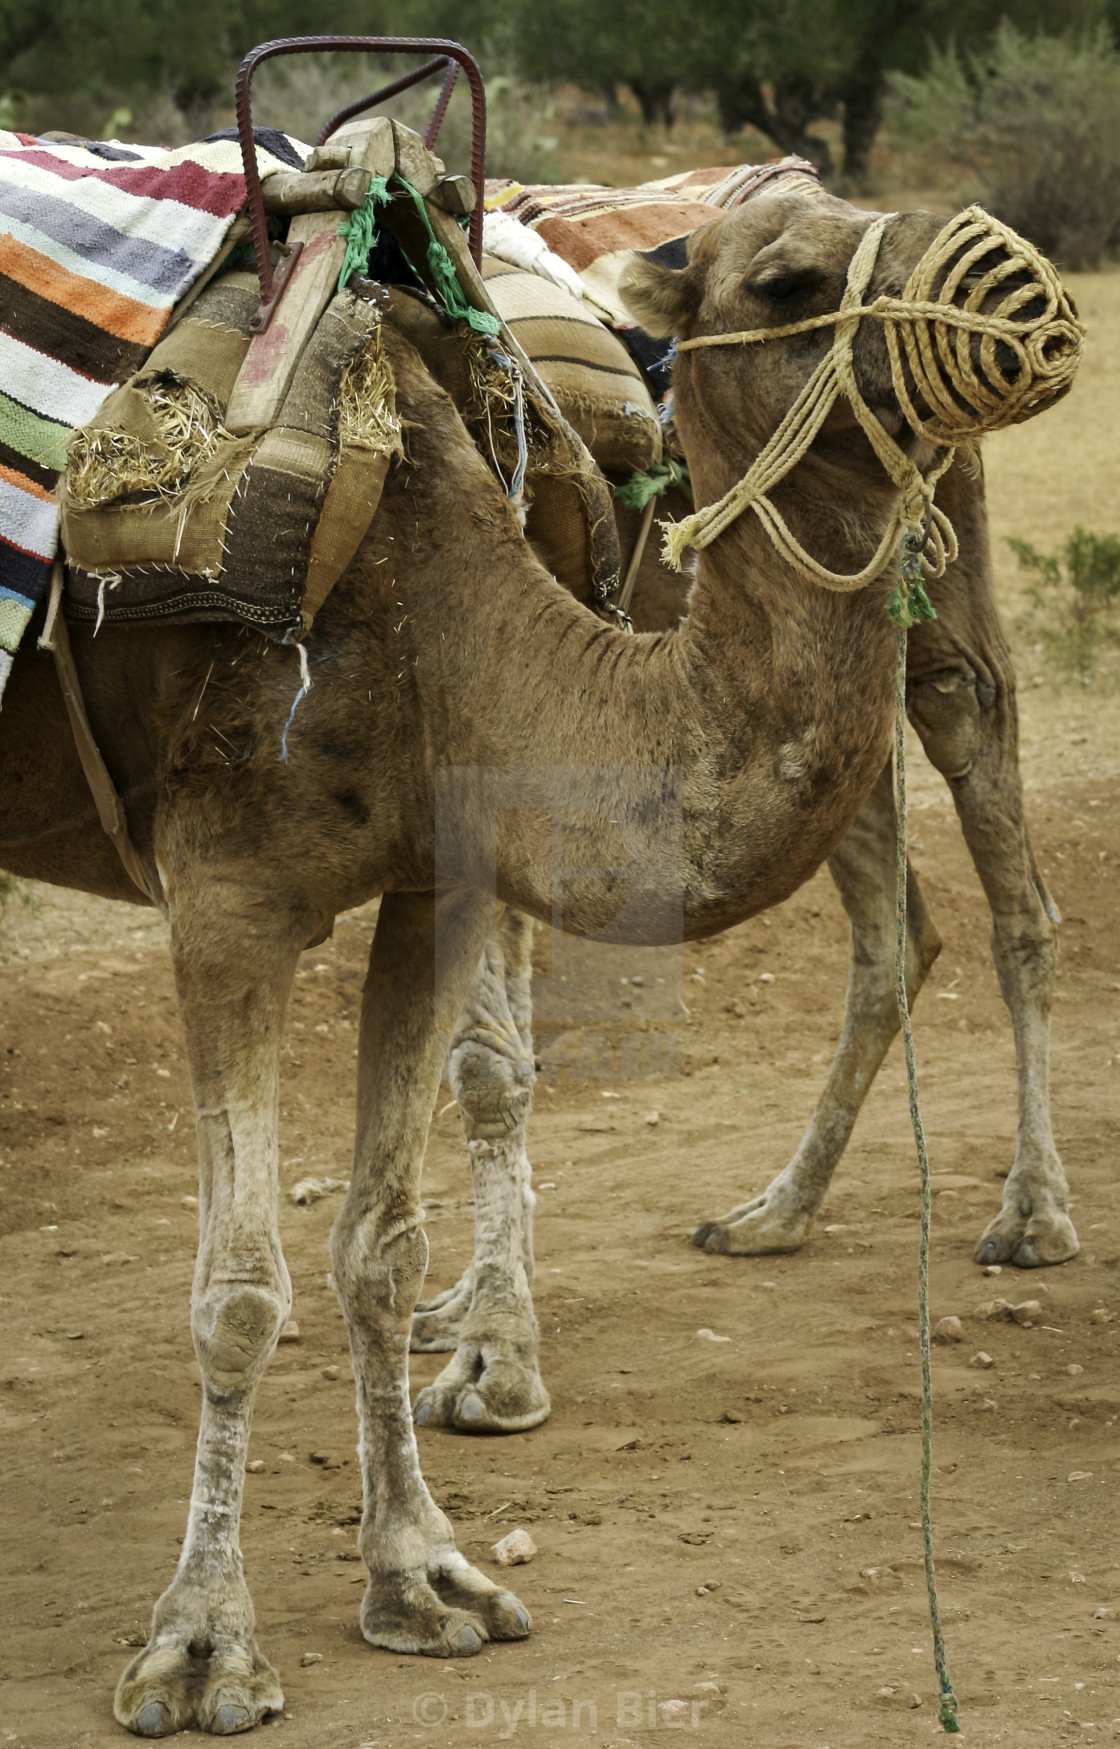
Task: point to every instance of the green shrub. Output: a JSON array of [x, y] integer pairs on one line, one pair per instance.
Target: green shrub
[[1034, 122], [1071, 596]]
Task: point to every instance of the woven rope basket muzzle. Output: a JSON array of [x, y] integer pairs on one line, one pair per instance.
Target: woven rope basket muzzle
[[983, 336]]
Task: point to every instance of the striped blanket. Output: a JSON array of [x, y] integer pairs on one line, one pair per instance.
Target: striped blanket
[[97, 244], [594, 229]]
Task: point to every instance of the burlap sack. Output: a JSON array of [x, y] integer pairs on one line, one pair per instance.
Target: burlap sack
[[597, 385], [260, 527]]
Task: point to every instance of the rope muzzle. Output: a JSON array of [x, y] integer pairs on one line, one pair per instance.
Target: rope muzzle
[[1030, 344]]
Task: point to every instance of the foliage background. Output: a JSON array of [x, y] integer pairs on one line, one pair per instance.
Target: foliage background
[[994, 95]]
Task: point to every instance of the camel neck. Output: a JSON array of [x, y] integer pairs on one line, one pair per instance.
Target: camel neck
[[723, 763]]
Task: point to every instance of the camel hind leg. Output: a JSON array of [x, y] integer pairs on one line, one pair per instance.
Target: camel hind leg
[[492, 1384], [781, 1217], [961, 698], [202, 1665]]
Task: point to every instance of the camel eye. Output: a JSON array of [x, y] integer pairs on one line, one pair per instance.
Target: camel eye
[[780, 288]]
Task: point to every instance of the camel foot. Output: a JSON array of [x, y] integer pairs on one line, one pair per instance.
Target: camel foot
[[167, 1688], [449, 1615], [483, 1392], [437, 1323], [1028, 1236], [766, 1224]]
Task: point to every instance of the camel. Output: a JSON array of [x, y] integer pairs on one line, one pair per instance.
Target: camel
[[700, 776], [961, 700]]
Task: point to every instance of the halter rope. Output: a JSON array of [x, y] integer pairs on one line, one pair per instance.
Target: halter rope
[[929, 339]]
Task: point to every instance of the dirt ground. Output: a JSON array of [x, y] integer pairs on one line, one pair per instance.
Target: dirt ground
[[717, 1423]]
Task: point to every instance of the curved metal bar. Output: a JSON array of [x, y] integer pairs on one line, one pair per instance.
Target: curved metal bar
[[435, 65], [299, 45], [440, 111]]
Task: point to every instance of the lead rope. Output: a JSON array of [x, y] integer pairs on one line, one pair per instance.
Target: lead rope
[[908, 606]]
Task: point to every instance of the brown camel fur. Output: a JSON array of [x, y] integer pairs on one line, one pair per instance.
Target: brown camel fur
[[715, 768], [961, 700]]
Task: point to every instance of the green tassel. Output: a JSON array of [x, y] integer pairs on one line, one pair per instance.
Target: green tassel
[[947, 1715], [909, 604], [637, 491], [360, 231]]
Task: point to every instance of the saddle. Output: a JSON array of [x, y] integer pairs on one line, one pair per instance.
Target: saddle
[[235, 474]]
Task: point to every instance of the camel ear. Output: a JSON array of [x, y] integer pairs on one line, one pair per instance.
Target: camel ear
[[663, 288], [662, 300]]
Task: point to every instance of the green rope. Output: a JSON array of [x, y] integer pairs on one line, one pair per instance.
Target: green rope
[[947, 1710], [637, 491], [444, 278], [360, 230]]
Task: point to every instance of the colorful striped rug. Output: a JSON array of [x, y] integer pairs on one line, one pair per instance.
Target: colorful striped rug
[[594, 229], [97, 244]]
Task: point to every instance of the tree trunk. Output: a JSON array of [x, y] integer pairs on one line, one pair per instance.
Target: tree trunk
[[783, 115], [862, 97], [658, 103]]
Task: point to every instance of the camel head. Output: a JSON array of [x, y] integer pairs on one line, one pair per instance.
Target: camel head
[[775, 261], [895, 338]]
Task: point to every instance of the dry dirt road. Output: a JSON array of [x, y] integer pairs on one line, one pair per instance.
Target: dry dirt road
[[736, 1512]]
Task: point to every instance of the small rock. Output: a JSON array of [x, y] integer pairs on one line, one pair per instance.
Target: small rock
[[1101, 1316], [981, 1359], [992, 1269], [331, 1372], [948, 1330], [189, 1202], [311, 1658], [653, 1117], [1073, 1369], [1104, 1613], [255, 1466], [675, 1712], [310, 1190], [290, 1332], [710, 1335], [1027, 1313], [637, 982], [113, 1257], [735, 1007], [913, 1700], [1076, 1578], [325, 1460], [1080, 1476], [994, 1310], [885, 1693], [710, 1695], [731, 1415], [514, 1549], [766, 977]]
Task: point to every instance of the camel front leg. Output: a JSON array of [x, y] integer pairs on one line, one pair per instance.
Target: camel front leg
[[863, 866], [202, 1666], [422, 1596], [493, 1383]]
